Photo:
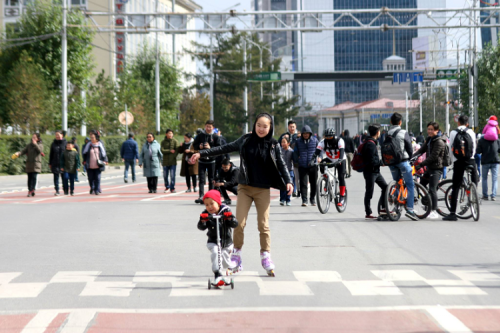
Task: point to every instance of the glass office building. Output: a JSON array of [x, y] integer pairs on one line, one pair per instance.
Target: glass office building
[[365, 50], [487, 34]]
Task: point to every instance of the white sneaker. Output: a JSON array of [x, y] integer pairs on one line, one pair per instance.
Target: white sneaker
[[433, 215]]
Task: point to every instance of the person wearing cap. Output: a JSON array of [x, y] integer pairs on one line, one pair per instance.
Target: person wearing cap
[[491, 130], [170, 150], [214, 206]]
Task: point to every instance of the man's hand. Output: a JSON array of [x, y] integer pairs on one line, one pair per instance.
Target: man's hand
[[172, 151], [123, 160], [207, 146], [195, 158], [62, 169], [312, 163], [201, 145], [136, 161], [187, 151], [289, 188], [33, 141]]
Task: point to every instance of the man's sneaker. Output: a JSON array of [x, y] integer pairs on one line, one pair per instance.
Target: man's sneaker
[[72, 193], [304, 203], [236, 261], [411, 215], [92, 192], [166, 190], [188, 190], [125, 180], [172, 191], [227, 202], [199, 201], [341, 201], [370, 217], [195, 189], [288, 203], [486, 198], [294, 194], [57, 193], [433, 215], [282, 203], [313, 202], [493, 199], [451, 217]]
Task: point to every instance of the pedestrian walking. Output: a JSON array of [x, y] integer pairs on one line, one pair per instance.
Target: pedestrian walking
[[188, 170], [463, 146], [372, 175], [349, 150], [34, 154], [94, 156], [304, 151], [226, 180], [261, 167], [70, 165], [150, 160], [434, 148], [287, 153], [84, 167], [129, 153], [77, 148], [56, 149], [169, 149], [206, 165], [489, 150]]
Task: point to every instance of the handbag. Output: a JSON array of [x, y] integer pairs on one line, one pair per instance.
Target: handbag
[[100, 163]]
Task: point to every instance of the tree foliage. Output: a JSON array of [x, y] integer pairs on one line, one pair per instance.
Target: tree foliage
[[195, 110]]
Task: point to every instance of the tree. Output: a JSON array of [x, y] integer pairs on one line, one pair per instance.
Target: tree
[[195, 110]]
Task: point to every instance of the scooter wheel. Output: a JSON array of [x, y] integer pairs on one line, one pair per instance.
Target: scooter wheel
[[232, 284], [209, 284]]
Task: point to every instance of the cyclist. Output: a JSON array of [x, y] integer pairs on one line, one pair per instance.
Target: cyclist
[[460, 164], [434, 147], [403, 168], [334, 149]]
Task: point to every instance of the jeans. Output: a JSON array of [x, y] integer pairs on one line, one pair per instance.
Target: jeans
[[71, 177], [403, 170], [371, 179], [284, 194], [477, 157], [130, 163], [32, 178], [94, 176], [209, 169], [494, 179], [431, 178], [445, 171], [56, 180], [169, 171]]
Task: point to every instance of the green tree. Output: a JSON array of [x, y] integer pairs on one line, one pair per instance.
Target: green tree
[[195, 110]]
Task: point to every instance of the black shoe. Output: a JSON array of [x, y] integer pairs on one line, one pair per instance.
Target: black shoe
[[33, 193], [199, 201], [451, 217], [66, 192], [57, 193], [97, 192], [125, 180], [72, 193], [411, 216], [150, 191], [91, 191], [227, 202], [188, 190], [294, 194], [485, 198]]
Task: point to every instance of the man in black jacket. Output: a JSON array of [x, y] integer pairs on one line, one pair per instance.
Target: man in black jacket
[[206, 166], [490, 162], [349, 151], [227, 180], [56, 150], [371, 173]]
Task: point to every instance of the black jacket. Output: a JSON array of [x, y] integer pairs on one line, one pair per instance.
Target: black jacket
[[369, 153], [434, 160], [279, 174], [226, 234], [212, 139], [489, 151], [230, 178], [56, 150]]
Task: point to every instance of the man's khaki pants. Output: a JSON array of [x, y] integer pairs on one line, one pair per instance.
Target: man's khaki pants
[[262, 198]]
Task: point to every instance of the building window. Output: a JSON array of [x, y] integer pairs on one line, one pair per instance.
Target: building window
[[12, 2]]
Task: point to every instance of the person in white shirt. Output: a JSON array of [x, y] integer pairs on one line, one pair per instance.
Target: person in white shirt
[[460, 165]]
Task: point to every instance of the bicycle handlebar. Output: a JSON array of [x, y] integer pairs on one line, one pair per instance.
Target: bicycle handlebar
[[330, 163]]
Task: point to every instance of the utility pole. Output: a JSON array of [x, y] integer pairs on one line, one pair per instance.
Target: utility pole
[[64, 61], [173, 35], [471, 72], [272, 89], [157, 80], [476, 95], [447, 111], [420, 97], [406, 104], [83, 128], [434, 97], [126, 121], [458, 74], [212, 95], [245, 93]]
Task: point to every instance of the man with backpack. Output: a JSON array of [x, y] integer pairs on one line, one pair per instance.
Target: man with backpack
[[371, 172], [396, 153], [463, 148]]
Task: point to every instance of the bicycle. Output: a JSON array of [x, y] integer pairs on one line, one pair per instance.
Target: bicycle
[[396, 198], [328, 190], [468, 199]]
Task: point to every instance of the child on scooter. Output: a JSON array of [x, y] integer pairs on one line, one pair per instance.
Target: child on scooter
[[214, 206]]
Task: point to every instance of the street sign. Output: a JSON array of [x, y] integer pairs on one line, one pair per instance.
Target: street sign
[[448, 74], [408, 77], [265, 76]]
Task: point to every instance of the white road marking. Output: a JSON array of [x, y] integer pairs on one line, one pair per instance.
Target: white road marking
[[447, 321], [318, 276], [247, 276], [398, 275], [372, 288], [455, 287], [40, 322], [167, 195], [157, 277], [78, 321], [7, 277], [284, 288], [111, 288], [21, 290], [476, 275], [183, 289], [75, 276]]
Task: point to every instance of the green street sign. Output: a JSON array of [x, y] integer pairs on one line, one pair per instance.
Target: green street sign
[[265, 77], [448, 74]]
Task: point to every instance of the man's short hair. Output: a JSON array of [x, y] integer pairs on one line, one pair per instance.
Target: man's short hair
[[210, 122], [130, 135], [434, 125], [396, 118], [373, 129], [168, 131], [291, 122], [226, 161], [463, 120]]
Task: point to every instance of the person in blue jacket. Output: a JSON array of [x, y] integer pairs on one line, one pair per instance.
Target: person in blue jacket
[[130, 156], [304, 150]]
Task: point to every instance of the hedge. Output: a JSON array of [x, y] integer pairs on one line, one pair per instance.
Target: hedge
[[9, 144]]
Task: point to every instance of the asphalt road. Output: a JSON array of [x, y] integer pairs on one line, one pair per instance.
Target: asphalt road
[[129, 261]]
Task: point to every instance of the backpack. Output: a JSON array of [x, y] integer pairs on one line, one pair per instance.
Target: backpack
[[462, 145], [447, 155], [391, 150], [357, 161]]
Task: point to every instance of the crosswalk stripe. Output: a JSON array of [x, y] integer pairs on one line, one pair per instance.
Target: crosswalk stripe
[[75, 276], [21, 290], [398, 275], [447, 321], [318, 276], [477, 275], [157, 277], [40, 322], [78, 321], [284, 288], [108, 288], [7, 277], [372, 288], [455, 287]]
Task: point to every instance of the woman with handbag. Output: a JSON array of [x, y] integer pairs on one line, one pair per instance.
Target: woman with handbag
[[151, 157], [188, 170], [95, 158]]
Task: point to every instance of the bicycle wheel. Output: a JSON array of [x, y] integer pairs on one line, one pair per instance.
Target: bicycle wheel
[[323, 194], [442, 208], [340, 209], [392, 206], [462, 211], [422, 202], [474, 202]]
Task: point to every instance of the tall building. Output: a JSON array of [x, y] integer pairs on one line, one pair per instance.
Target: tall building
[[490, 35]]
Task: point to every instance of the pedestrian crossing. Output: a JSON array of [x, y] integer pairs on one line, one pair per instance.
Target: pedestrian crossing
[[384, 283]]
